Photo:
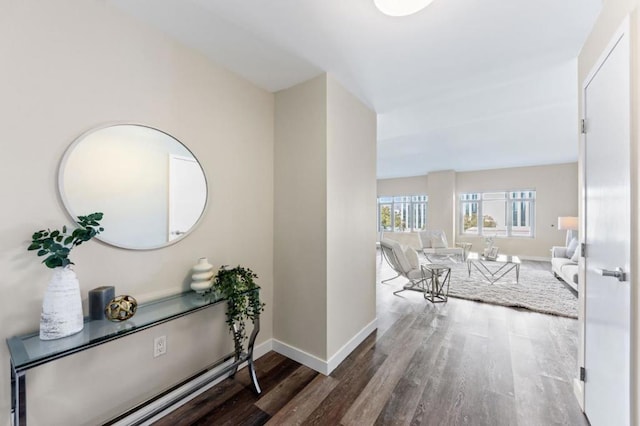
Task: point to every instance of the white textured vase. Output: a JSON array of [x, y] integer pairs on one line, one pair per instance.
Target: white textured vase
[[62, 306], [201, 276]]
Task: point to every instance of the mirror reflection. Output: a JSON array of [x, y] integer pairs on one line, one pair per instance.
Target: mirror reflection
[[149, 186]]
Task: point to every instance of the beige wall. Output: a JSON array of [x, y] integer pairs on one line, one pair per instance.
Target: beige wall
[[70, 65], [441, 190], [351, 217], [416, 185], [611, 17], [556, 189], [556, 195], [300, 243], [324, 219]]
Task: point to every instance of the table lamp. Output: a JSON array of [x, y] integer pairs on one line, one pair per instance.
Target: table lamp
[[570, 224]]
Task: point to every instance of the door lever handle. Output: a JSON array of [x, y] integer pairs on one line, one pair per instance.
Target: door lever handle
[[616, 273]]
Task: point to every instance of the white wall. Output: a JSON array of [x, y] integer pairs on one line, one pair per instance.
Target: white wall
[[70, 65], [611, 17], [556, 195], [300, 240], [324, 244], [351, 216]]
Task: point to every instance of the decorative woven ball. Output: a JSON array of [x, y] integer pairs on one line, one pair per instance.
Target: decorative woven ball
[[121, 308]]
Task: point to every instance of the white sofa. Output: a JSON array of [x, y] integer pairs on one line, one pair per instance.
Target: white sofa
[[564, 267]]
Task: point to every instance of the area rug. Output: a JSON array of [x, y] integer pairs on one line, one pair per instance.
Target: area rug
[[538, 290]]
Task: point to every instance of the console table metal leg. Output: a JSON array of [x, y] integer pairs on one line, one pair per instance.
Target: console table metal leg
[[251, 343], [254, 378], [18, 397]]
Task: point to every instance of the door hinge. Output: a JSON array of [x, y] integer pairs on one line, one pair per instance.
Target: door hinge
[[583, 374], [583, 128], [583, 249]]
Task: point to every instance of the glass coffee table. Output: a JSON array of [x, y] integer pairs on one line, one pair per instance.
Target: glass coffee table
[[494, 269]]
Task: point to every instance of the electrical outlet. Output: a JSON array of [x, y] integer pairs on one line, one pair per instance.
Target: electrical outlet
[[159, 346]]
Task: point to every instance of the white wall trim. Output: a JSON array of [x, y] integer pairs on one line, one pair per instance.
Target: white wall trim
[[320, 365], [298, 355], [578, 391], [258, 351]]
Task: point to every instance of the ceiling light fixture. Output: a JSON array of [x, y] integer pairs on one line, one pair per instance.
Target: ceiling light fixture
[[401, 7]]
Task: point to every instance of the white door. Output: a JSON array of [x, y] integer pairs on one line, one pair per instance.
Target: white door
[[187, 194], [607, 236]]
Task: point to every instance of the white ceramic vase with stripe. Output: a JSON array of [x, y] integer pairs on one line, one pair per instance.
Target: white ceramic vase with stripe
[[62, 306]]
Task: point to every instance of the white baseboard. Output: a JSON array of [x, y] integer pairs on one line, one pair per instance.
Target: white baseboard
[[578, 390], [301, 356], [320, 365], [258, 351]]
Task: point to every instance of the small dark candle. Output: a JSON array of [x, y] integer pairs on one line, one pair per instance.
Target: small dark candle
[[98, 299]]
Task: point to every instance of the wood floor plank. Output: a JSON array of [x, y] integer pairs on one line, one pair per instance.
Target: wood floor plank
[[498, 359], [351, 383], [228, 412], [441, 388], [198, 407], [305, 402], [284, 391], [367, 406], [405, 397]]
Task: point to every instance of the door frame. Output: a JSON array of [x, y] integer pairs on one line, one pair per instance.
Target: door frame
[[628, 26]]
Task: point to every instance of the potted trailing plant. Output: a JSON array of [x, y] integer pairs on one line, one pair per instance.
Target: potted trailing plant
[[237, 285], [62, 305]]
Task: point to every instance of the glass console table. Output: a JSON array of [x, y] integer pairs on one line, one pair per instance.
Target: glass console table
[[28, 351]]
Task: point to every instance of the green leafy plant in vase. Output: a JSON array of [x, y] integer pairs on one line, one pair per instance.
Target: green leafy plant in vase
[[62, 304], [237, 285], [57, 244]]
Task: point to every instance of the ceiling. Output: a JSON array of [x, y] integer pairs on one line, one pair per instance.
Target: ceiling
[[462, 85]]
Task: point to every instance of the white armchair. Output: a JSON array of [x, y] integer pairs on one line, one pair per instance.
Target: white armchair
[[435, 243], [405, 262]]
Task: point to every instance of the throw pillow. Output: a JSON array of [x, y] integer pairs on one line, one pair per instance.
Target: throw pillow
[[437, 241], [412, 257], [576, 255], [571, 248]]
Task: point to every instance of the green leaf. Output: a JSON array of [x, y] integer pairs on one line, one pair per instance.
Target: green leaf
[[53, 261], [58, 244]]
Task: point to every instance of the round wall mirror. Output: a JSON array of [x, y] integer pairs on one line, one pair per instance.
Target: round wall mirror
[[150, 187]]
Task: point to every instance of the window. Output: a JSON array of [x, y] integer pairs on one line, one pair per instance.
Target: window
[[503, 214], [402, 213]]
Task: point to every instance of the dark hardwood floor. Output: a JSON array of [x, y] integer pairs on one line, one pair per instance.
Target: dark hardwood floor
[[458, 363]]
